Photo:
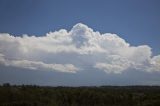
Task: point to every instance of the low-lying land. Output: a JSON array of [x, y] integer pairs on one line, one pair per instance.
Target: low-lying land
[[28, 95]]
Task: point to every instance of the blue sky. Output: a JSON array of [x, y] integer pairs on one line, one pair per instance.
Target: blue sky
[[135, 21]]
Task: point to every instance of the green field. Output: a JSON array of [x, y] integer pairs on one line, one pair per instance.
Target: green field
[[28, 95]]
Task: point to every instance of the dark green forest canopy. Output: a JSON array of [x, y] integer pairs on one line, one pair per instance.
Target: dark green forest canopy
[[31, 95]]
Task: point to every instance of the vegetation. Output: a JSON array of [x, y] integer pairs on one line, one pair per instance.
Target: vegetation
[[27, 95]]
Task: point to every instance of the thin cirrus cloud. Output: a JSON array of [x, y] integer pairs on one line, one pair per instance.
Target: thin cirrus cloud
[[76, 50]]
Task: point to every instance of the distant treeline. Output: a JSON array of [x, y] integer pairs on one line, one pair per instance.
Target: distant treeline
[[32, 95]]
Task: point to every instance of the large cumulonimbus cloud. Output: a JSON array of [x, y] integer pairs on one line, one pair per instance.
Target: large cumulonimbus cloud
[[79, 49]]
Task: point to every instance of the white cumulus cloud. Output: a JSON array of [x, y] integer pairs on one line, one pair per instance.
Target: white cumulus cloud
[[74, 50], [38, 65]]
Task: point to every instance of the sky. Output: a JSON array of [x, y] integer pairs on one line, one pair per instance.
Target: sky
[[80, 42]]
